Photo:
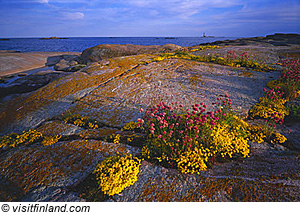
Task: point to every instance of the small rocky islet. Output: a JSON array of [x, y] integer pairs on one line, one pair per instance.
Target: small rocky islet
[[67, 120], [53, 38]]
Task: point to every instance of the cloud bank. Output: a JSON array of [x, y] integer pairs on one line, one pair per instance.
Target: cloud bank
[[149, 17]]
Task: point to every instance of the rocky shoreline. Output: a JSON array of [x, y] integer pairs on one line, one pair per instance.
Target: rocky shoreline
[[110, 84]]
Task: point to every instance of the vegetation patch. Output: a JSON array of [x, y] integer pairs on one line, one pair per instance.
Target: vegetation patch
[[116, 173], [231, 59], [81, 121], [191, 140], [49, 140], [27, 137], [294, 110], [274, 106], [200, 48]]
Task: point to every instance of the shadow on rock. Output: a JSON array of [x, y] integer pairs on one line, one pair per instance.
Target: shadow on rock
[[9, 191]]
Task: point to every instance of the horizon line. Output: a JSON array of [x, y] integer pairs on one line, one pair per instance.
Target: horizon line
[[208, 36]]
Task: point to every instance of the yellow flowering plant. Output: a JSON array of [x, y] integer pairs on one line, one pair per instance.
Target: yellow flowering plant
[[257, 134], [131, 126], [204, 48], [278, 138], [14, 139], [116, 173], [191, 162], [231, 59], [81, 121], [49, 140]]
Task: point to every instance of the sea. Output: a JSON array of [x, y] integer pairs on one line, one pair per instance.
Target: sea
[[78, 44]]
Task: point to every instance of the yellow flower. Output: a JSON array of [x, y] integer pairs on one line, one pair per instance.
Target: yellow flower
[[191, 162], [145, 152], [116, 138], [47, 141], [266, 107], [257, 134], [279, 138], [116, 173], [227, 143], [13, 139], [130, 126]]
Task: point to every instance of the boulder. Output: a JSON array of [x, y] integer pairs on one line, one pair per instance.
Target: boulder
[[106, 51], [68, 66], [62, 65], [52, 60], [31, 82]]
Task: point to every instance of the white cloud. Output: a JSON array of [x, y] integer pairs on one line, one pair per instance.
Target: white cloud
[[182, 9], [73, 16], [43, 1]]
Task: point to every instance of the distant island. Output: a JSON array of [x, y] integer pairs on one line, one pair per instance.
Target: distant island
[[4, 39], [53, 38]]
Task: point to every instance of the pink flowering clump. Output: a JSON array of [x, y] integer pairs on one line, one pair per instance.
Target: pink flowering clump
[[290, 77], [231, 56], [173, 129]]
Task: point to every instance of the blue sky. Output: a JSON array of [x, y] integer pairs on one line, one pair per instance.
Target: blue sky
[[75, 18]]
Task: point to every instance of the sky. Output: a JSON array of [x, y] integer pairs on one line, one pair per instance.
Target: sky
[[140, 18]]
